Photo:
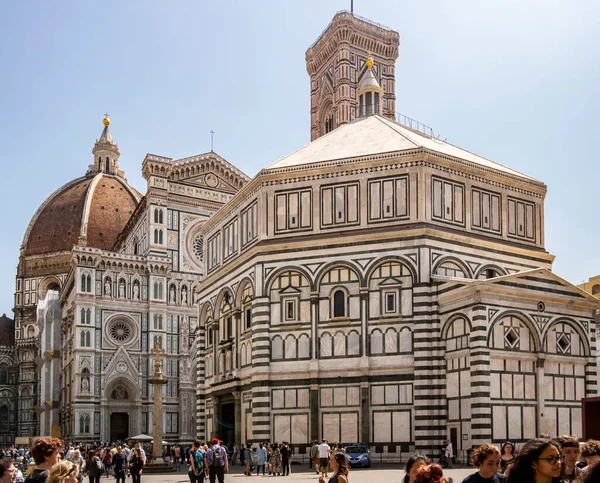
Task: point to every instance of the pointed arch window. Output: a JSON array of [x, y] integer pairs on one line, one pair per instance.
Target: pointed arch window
[[84, 423], [107, 165], [83, 284]]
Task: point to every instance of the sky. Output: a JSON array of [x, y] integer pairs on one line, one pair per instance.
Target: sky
[[517, 82]]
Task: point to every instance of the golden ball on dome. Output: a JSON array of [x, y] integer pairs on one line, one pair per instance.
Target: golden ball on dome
[[369, 62], [106, 121]]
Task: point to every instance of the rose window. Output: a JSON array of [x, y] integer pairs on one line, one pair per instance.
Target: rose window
[[198, 248], [120, 331]]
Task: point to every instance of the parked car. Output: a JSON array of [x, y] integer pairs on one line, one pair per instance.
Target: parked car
[[358, 455]]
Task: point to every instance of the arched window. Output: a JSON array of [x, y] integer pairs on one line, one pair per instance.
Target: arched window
[[155, 215], [4, 418], [82, 339], [450, 269], [83, 284], [160, 237], [84, 423], [339, 303], [88, 283], [30, 331], [155, 234], [87, 339], [3, 375], [99, 163], [596, 289], [160, 290], [160, 216], [107, 165]]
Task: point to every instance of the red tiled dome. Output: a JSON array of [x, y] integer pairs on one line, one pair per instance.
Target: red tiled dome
[[94, 209]]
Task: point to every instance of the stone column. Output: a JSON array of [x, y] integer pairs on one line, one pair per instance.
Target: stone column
[[314, 412], [158, 381], [481, 407], [238, 417]]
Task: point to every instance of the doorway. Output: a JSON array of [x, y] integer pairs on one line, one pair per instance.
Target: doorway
[[119, 427], [227, 423]]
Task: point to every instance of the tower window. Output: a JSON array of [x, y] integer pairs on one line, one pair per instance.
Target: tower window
[[107, 165]]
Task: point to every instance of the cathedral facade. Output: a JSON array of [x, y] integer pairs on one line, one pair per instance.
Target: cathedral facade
[[105, 274], [383, 286]]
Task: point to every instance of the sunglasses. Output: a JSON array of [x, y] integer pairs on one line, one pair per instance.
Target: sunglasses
[[552, 459]]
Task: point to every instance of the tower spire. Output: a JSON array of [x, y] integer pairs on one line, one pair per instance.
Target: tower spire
[[370, 93], [106, 153]]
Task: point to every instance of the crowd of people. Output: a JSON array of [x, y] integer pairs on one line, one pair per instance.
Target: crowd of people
[[542, 460]]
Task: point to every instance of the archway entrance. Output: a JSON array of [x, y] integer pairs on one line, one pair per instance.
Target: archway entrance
[[119, 427], [227, 426]]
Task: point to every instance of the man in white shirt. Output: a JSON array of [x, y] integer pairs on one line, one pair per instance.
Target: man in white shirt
[[324, 452], [449, 453]]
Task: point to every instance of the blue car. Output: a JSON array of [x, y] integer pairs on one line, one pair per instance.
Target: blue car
[[358, 455]]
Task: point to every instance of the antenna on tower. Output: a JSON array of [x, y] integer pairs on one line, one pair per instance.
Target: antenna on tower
[[351, 6], [212, 141]]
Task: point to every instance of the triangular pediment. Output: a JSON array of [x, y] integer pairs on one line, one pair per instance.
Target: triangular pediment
[[290, 290], [121, 366], [209, 171], [390, 282]]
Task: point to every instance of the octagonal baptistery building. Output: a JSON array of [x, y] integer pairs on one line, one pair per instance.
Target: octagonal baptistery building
[[89, 211], [380, 285]]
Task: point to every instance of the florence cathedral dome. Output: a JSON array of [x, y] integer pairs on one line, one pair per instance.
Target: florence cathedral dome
[[91, 210]]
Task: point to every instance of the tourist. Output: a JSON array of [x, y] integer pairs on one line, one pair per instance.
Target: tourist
[[569, 449], [93, 466], [247, 459], [197, 471], [487, 459], [261, 459], [324, 453], [63, 472], [119, 462], [507, 456], [591, 475], [591, 452], [339, 466], [217, 462], [107, 460], [412, 466], [275, 460], [45, 453], [236, 454], [177, 458], [78, 460], [538, 461], [286, 454], [314, 456], [431, 474], [136, 465], [449, 454], [8, 472]]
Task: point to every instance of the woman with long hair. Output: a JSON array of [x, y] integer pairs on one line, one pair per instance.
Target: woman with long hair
[[136, 465], [487, 460], [431, 474], [340, 468], [63, 472], [412, 466], [93, 466], [507, 455], [538, 461], [275, 460]]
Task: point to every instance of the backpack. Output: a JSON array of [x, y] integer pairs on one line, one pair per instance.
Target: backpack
[[99, 465], [217, 458], [198, 460]]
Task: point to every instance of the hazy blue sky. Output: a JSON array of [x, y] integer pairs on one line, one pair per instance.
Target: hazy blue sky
[[515, 81]]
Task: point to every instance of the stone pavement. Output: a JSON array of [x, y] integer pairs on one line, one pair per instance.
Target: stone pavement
[[375, 474]]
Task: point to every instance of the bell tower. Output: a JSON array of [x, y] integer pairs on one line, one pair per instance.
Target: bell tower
[[337, 63]]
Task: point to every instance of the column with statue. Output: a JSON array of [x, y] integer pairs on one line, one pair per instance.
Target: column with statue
[[157, 381]]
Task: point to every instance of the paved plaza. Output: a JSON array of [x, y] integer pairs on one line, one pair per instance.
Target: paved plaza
[[375, 474]]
